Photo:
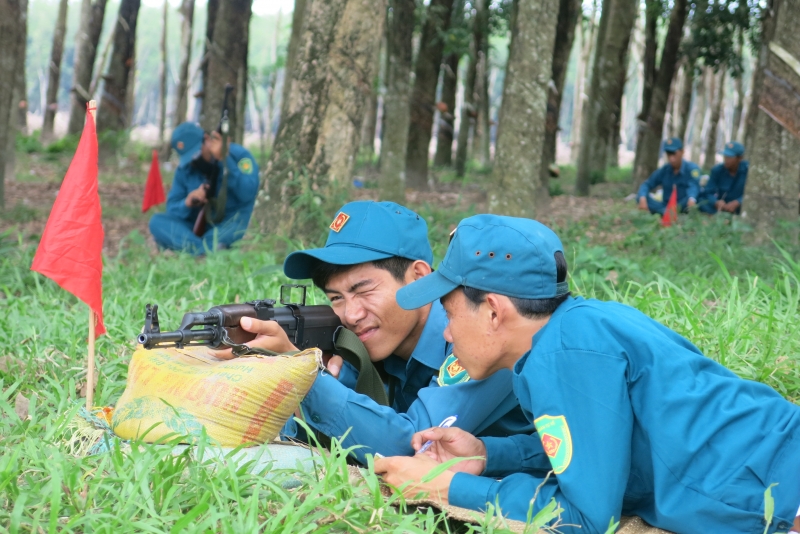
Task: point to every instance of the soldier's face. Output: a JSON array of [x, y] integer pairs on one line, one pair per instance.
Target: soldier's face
[[675, 159], [475, 340], [364, 299]]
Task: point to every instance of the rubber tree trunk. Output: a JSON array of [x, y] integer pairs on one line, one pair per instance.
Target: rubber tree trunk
[[18, 103], [86, 40], [685, 102], [648, 150], [774, 132], [182, 89], [11, 19], [113, 114], [396, 105], [423, 95], [22, 86], [716, 109], [370, 125], [162, 75], [738, 84], [212, 7], [469, 112], [444, 137], [605, 93], [55, 71], [588, 42], [241, 86], [226, 59], [516, 188], [298, 19], [698, 116], [318, 136], [481, 137], [568, 13]]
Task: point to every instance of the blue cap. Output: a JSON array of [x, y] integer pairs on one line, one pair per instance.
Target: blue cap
[[673, 144], [187, 140], [506, 255], [364, 231], [733, 149]]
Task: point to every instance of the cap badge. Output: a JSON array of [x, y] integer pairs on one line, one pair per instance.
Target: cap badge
[[669, 141], [180, 145], [339, 221], [730, 145]]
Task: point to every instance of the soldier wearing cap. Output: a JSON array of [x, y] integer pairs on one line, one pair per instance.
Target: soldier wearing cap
[[725, 188], [374, 249], [199, 155], [676, 173], [633, 418]]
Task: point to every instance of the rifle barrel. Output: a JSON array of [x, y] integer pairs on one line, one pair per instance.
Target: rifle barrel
[[178, 337]]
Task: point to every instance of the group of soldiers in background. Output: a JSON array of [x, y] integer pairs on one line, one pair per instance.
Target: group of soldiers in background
[[721, 190]]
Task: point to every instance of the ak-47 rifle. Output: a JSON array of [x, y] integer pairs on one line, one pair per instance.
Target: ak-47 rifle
[[306, 326], [214, 209]]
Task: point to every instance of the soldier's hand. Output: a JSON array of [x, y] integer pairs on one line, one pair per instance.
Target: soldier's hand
[[720, 205], [731, 206], [197, 197], [407, 474], [334, 366], [269, 336], [449, 443], [691, 202], [642, 203]]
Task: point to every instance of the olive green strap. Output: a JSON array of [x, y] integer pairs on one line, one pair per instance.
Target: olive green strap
[[353, 351]]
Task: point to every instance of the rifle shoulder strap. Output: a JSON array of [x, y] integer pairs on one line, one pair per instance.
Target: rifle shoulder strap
[[353, 351]]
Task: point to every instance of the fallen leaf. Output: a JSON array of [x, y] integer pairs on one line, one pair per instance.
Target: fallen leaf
[[21, 404], [612, 276]]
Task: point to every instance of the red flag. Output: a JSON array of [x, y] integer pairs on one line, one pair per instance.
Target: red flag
[[671, 213], [70, 252], [154, 190]]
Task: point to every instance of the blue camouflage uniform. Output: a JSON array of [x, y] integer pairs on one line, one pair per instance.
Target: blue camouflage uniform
[[633, 419], [686, 181], [173, 229], [424, 390]]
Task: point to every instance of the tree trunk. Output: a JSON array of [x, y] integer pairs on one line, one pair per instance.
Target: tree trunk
[[396, 105], [371, 114], [423, 96], [18, 99], [182, 89], [568, 13], [685, 102], [605, 93], [22, 86], [55, 71], [241, 86], [698, 116], [649, 71], [774, 180], [469, 113], [226, 59], [212, 9], [588, 39], [716, 108], [298, 19], [86, 40], [648, 151], [162, 74], [481, 137], [516, 188], [113, 113], [444, 137], [11, 24]]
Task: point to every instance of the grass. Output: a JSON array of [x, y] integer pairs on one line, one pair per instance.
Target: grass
[[737, 301]]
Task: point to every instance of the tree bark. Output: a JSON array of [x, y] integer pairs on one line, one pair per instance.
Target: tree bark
[[86, 40], [648, 151], [11, 19], [481, 137], [212, 8], [716, 109], [21, 90], [423, 96], [241, 85], [685, 102], [568, 13], [773, 184], [469, 112], [113, 113], [182, 89], [398, 91], [55, 71], [605, 93], [298, 19], [698, 115], [444, 137], [588, 39], [370, 125], [162, 75], [516, 187], [226, 62]]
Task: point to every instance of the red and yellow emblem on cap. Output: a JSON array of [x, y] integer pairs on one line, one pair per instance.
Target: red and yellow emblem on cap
[[180, 145], [556, 441], [339, 221]]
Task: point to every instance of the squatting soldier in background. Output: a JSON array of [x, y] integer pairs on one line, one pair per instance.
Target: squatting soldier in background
[[725, 188], [677, 172]]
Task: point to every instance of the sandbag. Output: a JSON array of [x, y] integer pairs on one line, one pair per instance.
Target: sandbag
[[183, 391]]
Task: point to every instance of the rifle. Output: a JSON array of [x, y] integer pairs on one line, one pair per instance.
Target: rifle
[[306, 326], [214, 209]]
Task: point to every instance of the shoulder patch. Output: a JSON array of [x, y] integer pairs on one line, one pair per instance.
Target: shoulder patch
[[696, 173], [451, 372], [556, 440], [245, 165]]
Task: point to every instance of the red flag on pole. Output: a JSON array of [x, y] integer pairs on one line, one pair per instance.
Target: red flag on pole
[[671, 213], [154, 190], [70, 252]]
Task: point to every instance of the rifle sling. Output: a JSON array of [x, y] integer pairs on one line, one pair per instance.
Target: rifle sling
[[353, 351]]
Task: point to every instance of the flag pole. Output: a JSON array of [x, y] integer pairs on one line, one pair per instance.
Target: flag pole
[[90, 359]]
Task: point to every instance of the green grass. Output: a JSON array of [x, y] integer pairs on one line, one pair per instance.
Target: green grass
[[736, 301]]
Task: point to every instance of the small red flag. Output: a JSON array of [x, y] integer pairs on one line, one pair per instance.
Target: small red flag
[[154, 189], [671, 213], [70, 251]]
